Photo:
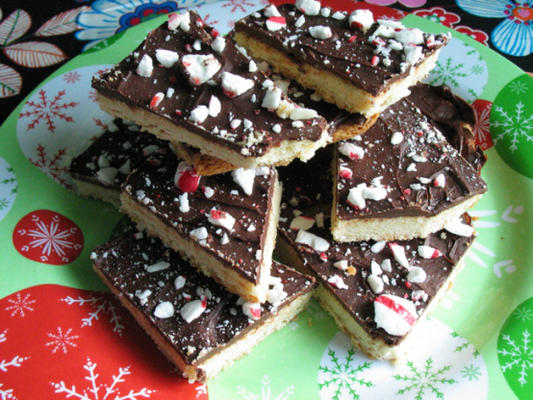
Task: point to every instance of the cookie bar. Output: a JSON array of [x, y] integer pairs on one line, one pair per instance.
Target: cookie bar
[[400, 180], [197, 324], [359, 64], [375, 291], [342, 125], [224, 224], [102, 168], [187, 84]]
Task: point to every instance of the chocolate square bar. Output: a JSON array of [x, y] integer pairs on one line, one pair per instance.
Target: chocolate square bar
[[351, 60], [201, 327], [224, 224], [187, 84]]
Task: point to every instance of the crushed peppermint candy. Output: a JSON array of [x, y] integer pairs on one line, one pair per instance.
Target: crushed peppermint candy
[[145, 67], [218, 44], [235, 85], [179, 282], [143, 296], [308, 7], [245, 179], [398, 252], [167, 58], [272, 98], [199, 233], [107, 175], [396, 138], [186, 178], [428, 252], [214, 107], [351, 150], [158, 266], [184, 203], [183, 21], [164, 310], [302, 222], [271, 11], [252, 310], [416, 275], [378, 246], [312, 240], [358, 195], [394, 314], [157, 99], [439, 181], [192, 310], [320, 32], [302, 113], [362, 19], [200, 67], [458, 228], [337, 281], [375, 283], [274, 23], [221, 218], [300, 21]]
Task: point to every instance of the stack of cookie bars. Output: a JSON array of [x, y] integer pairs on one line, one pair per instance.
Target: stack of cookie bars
[[305, 134]]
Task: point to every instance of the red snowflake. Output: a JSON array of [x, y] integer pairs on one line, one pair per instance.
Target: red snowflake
[[475, 34], [48, 237], [92, 95], [48, 110], [238, 5], [52, 166], [440, 15], [482, 128], [100, 123], [208, 21], [72, 77]]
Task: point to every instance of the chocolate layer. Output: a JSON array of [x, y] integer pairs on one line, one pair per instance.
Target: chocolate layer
[[127, 260], [152, 187], [350, 52], [113, 155], [241, 123], [408, 166], [351, 287]]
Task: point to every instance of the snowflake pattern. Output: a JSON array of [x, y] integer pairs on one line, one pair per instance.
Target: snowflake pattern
[[62, 340], [50, 238], [343, 376], [112, 391], [48, 110], [52, 166], [20, 305], [514, 125], [266, 391], [8, 187], [5, 365], [423, 380], [482, 125], [471, 372], [519, 355], [72, 77], [523, 313], [238, 5], [100, 306], [518, 87]]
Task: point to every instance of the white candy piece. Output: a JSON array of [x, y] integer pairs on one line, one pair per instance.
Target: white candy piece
[[416, 275], [143, 296], [458, 228], [412, 54], [399, 254], [214, 106], [410, 36], [274, 24], [320, 32], [351, 150], [308, 7], [199, 233], [199, 114], [355, 197], [145, 67], [221, 218], [439, 181], [271, 11], [337, 281], [342, 265], [125, 168], [312, 240], [272, 98], [378, 246], [300, 21], [375, 269], [396, 138], [167, 58], [192, 310], [179, 282], [218, 44], [158, 266], [235, 85], [208, 191], [394, 314], [184, 202], [252, 310], [302, 113], [245, 179], [428, 252], [200, 67], [302, 222], [362, 19], [182, 21], [107, 175], [164, 310], [252, 66], [375, 283]]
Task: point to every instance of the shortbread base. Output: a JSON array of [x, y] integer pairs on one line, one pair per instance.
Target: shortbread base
[[98, 192], [331, 87]]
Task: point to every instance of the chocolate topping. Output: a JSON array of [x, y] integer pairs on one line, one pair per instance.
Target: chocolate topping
[[454, 117], [407, 165], [211, 93], [353, 290], [370, 59], [152, 186], [113, 155], [126, 261]]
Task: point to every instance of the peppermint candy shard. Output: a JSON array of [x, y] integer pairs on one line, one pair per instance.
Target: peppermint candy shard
[[221, 218], [302, 222], [167, 58], [164, 310], [145, 67], [459, 228], [200, 67], [234, 85], [315, 242], [252, 310], [182, 21], [185, 178], [399, 254], [394, 314], [428, 252], [362, 19], [308, 7], [192, 310], [352, 151], [245, 178], [274, 24]]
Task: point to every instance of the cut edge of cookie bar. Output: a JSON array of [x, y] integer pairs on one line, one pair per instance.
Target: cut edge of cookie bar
[[375, 348], [206, 262], [287, 151], [218, 359], [97, 191], [396, 228], [337, 91]]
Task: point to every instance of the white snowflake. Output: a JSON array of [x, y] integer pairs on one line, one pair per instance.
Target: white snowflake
[[518, 355], [15, 362], [62, 340], [48, 110], [518, 87], [523, 313], [50, 238], [6, 394], [200, 390], [266, 392], [515, 125], [20, 305], [111, 391], [100, 305]]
